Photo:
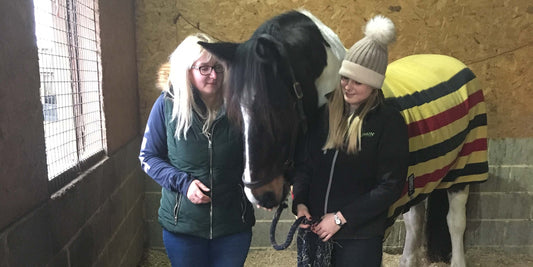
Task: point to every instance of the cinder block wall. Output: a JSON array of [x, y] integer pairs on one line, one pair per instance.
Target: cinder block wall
[[499, 211], [98, 219], [492, 37]]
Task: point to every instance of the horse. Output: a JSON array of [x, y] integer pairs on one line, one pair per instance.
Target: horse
[[443, 105], [278, 78], [298, 56]]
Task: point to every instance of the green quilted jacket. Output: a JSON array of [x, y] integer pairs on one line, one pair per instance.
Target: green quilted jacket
[[216, 159]]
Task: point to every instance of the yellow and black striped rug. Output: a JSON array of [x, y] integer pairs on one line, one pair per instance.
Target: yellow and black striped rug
[[443, 104]]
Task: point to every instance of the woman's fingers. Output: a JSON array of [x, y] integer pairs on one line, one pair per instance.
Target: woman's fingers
[[326, 238], [196, 193], [325, 229], [202, 197], [202, 187], [304, 226]]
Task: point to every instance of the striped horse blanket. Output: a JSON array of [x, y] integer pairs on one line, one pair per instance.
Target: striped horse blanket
[[443, 106]]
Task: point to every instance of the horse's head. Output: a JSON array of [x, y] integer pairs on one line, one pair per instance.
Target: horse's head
[[271, 94], [261, 100]]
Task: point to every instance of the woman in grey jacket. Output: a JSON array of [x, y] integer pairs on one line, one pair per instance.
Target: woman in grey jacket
[[196, 155], [357, 159]]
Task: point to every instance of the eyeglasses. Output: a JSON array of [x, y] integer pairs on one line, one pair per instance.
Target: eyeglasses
[[206, 70]]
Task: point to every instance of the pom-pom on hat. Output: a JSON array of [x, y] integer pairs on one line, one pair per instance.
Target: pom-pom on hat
[[366, 61]]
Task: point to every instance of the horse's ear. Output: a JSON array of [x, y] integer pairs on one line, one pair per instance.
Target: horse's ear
[[267, 48], [223, 51]]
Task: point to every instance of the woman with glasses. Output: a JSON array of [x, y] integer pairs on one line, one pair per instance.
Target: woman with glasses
[[196, 155]]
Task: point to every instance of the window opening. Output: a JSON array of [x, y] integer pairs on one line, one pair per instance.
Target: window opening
[[67, 35]]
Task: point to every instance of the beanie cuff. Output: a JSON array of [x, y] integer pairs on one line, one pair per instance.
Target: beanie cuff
[[361, 74]]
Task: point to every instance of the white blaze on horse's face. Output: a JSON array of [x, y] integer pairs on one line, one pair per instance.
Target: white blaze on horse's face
[[247, 174], [268, 194], [272, 193]]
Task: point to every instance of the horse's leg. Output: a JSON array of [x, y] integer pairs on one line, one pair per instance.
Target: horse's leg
[[456, 220], [414, 250]]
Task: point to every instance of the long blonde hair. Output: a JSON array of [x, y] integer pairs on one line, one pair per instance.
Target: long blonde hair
[[345, 126], [174, 79]]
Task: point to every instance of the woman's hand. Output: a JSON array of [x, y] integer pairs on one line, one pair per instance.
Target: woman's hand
[[327, 227], [303, 211], [195, 193]]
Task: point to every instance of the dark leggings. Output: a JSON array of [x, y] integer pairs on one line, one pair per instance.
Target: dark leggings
[[358, 252]]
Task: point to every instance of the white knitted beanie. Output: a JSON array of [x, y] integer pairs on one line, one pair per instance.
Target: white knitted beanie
[[367, 60]]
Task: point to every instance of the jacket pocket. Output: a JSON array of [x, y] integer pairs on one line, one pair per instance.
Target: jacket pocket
[[177, 208], [244, 204]]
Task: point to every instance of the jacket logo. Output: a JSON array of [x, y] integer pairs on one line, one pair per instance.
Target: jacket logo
[[368, 134]]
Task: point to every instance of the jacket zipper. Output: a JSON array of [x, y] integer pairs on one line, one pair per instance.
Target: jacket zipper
[[210, 148], [177, 207], [330, 181]]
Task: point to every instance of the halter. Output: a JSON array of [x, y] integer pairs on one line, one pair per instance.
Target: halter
[[297, 105]]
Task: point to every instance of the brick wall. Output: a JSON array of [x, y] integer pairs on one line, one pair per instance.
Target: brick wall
[[499, 211], [98, 218]]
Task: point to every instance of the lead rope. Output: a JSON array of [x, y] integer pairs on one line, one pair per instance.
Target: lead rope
[[292, 230], [318, 257]]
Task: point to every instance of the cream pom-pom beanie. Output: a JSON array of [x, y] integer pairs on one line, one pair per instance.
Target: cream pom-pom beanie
[[367, 60]]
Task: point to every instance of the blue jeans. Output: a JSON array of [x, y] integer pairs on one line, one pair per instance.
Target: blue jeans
[[227, 251]]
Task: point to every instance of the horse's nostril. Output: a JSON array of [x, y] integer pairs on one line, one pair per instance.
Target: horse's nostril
[[268, 200]]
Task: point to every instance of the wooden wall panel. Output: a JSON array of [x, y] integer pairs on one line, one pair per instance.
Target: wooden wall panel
[[493, 37]]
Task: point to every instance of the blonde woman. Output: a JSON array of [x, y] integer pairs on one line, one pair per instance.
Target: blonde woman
[[196, 155], [357, 162]]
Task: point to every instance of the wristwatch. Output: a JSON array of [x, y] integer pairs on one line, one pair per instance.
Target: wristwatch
[[337, 220]]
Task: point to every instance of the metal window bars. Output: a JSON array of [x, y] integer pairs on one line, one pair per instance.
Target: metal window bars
[[70, 71]]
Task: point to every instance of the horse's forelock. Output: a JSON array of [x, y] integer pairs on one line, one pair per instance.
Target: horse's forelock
[[258, 84], [251, 79]]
